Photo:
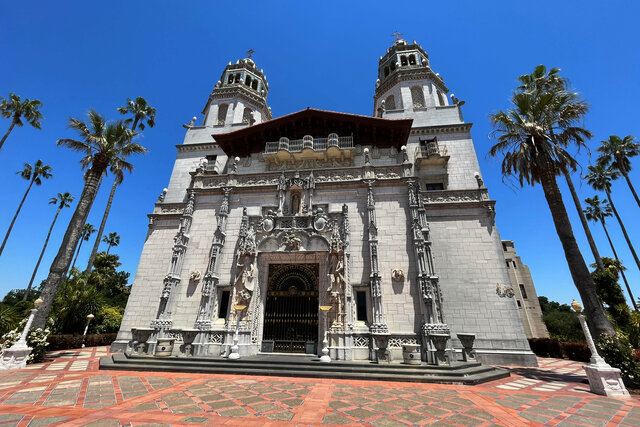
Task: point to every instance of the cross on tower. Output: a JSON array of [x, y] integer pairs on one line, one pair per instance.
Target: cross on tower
[[250, 52], [397, 35]]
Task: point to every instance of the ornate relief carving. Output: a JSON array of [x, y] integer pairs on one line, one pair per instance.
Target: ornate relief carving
[[291, 242], [397, 275], [455, 196], [504, 291]]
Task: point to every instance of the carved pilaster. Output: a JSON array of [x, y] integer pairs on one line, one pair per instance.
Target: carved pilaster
[[379, 321]]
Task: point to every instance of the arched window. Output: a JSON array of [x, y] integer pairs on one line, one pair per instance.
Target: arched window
[[254, 84], [390, 103], [222, 114], [247, 81], [417, 96], [386, 71], [403, 60], [412, 59], [393, 66], [238, 78], [247, 117], [230, 80], [440, 98]]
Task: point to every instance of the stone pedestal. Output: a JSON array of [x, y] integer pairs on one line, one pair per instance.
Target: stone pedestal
[[383, 355], [468, 353], [15, 357], [440, 343]]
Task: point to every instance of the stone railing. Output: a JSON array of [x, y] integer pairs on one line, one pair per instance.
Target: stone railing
[[309, 142], [455, 196]]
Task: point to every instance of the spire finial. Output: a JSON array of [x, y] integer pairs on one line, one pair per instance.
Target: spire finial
[[397, 35], [250, 52]]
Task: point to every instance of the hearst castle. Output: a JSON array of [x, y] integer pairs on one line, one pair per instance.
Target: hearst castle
[[376, 230]]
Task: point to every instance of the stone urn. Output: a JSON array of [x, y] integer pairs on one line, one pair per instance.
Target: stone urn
[[439, 341], [164, 348], [411, 354], [383, 355], [468, 353]]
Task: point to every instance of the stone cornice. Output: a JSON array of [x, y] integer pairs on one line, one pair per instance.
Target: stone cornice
[[196, 147], [440, 129], [239, 90], [457, 198], [406, 73]]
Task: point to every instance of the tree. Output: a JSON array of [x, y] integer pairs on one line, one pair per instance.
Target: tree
[[616, 152], [541, 81], [561, 321], [15, 109], [141, 113], [597, 212], [87, 231], [610, 292], [533, 137], [34, 174], [103, 145], [63, 201], [600, 177], [112, 239]]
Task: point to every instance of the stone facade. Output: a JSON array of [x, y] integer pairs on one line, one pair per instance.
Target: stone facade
[[383, 219], [525, 293]]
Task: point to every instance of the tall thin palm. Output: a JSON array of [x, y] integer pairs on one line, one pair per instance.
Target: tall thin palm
[[16, 109], [600, 177], [34, 174], [141, 113], [87, 231], [111, 239], [533, 136], [595, 211], [616, 152], [542, 81], [63, 201], [103, 145]]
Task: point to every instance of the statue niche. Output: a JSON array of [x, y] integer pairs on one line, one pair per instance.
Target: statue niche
[[337, 276], [246, 268]]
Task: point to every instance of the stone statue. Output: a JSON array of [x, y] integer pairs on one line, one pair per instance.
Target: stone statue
[[291, 241]]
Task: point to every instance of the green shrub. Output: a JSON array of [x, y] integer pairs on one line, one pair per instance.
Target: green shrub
[[619, 354], [36, 339], [577, 351], [68, 341], [546, 347]]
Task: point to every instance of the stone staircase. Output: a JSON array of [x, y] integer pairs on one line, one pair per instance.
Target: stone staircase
[[308, 366]]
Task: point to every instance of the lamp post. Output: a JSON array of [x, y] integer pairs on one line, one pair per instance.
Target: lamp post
[[15, 357], [325, 358], [234, 348], [603, 379], [86, 328]]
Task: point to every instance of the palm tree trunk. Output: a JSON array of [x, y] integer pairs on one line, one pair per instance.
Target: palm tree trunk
[[633, 190], [6, 236], [77, 253], [624, 230], [615, 254], [46, 241], [96, 244], [71, 237], [583, 220], [6, 135], [582, 279], [108, 249]]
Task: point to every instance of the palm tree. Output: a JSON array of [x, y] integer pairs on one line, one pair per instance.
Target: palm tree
[[533, 137], [598, 212], [541, 81], [141, 112], [103, 145], [617, 152], [34, 174], [16, 109], [600, 177], [112, 239], [63, 201], [87, 231]]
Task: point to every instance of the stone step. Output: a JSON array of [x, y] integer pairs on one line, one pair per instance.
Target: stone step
[[468, 374]]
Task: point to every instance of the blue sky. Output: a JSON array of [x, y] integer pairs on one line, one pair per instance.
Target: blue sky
[[76, 55]]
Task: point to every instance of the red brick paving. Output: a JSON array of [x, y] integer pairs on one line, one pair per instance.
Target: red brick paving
[[69, 390]]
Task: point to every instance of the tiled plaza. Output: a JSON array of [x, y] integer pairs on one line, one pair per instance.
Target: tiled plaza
[[69, 390]]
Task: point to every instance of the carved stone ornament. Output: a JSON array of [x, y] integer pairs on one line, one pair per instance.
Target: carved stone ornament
[[291, 242], [397, 275], [195, 276], [320, 221], [504, 291]]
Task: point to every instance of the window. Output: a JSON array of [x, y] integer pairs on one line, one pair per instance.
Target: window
[[508, 264], [523, 291], [434, 186], [386, 71], [361, 306], [393, 66], [514, 264], [247, 81], [403, 60], [223, 305], [390, 103], [417, 96], [211, 161], [504, 247], [440, 99], [247, 117], [519, 303], [230, 80], [222, 114], [412, 59], [254, 84]]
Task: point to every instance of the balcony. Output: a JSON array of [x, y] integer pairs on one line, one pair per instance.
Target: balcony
[[334, 147], [430, 153]]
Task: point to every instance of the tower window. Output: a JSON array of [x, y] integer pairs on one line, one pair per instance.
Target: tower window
[[523, 291], [247, 117], [390, 103], [254, 84], [386, 71], [247, 81], [519, 303], [238, 78], [222, 114], [223, 305], [434, 186], [412, 59], [417, 96], [440, 99], [403, 60], [361, 306], [230, 79], [393, 66]]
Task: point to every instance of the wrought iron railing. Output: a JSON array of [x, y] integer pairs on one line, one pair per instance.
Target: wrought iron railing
[[430, 149], [316, 144]]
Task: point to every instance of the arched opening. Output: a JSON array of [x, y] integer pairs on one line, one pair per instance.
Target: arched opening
[[247, 117], [417, 97], [291, 308], [390, 103], [403, 60], [393, 66], [230, 79], [222, 114], [238, 78], [440, 99], [247, 81], [386, 71], [254, 84], [412, 59]]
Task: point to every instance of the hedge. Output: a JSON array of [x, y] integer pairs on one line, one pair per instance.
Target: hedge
[[65, 342], [548, 347]]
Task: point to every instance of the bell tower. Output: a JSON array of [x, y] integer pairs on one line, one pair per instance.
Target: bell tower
[[406, 83], [239, 98]]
